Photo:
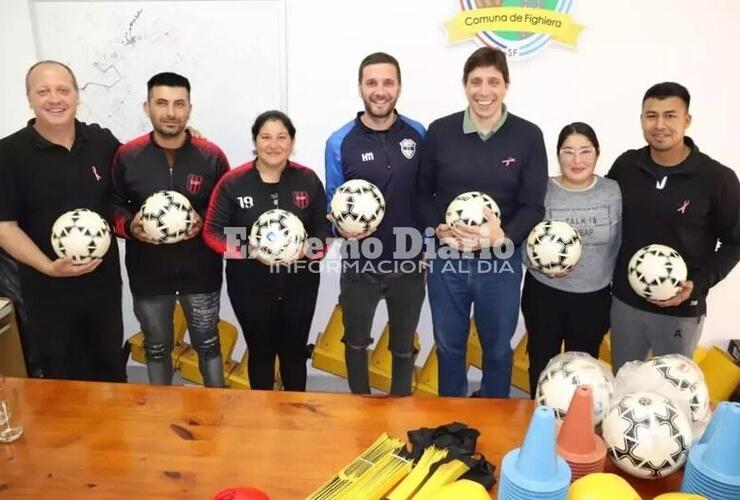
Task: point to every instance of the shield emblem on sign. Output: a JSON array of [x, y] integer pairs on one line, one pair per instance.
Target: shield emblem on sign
[[408, 148]]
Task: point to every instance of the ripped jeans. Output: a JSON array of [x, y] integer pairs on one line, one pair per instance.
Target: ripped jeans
[[155, 314], [359, 296]]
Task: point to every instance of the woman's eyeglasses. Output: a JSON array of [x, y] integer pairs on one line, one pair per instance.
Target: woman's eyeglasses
[[571, 153]]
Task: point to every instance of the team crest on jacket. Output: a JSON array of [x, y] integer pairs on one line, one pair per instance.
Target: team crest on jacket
[[408, 148], [195, 183], [300, 199]]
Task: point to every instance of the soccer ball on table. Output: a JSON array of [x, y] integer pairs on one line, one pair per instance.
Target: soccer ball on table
[[562, 376], [647, 435], [80, 235]]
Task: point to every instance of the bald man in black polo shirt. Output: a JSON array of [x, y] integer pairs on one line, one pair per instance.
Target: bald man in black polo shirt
[[56, 164]]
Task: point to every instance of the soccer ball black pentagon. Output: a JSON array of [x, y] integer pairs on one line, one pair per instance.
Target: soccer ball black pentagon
[[277, 237], [553, 246], [357, 206], [81, 235], [680, 379], [562, 376], [656, 272], [467, 208], [647, 435], [167, 216]]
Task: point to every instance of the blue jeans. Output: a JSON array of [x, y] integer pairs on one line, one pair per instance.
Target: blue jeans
[[493, 285], [155, 313]]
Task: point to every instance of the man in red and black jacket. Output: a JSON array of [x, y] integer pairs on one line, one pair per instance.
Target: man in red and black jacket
[[169, 158]]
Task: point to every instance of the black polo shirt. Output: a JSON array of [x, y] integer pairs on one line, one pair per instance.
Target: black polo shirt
[[39, 181]]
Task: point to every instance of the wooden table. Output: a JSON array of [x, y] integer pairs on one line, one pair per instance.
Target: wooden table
[[94, 440]]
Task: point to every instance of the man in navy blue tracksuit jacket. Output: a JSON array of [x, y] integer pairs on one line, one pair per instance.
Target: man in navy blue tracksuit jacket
[[384, 148]]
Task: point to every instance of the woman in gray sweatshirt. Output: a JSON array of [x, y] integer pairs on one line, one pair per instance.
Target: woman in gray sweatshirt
[[574, 308]]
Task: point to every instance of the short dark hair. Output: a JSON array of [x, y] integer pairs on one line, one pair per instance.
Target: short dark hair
[[49, 61], [668, 89], [483, 57], [267, 116], [167, 79], [579, 128], [379, 58]]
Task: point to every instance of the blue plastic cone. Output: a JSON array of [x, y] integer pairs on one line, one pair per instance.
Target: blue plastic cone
[[714, 422], [537, 459], [723, 447], [534, 471]]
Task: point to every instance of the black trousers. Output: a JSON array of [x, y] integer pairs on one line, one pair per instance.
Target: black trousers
[[553, 316], [78, 339], [275, 319]]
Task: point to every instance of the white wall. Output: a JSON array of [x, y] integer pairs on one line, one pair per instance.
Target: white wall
[[626, 47]]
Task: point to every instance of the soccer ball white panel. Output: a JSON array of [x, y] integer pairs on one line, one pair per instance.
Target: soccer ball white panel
[[277, 237], [553, 246], [81, 235], [679, 379], [467, 208], [656, 272], [647, 435], [167, 216], [560, 379], [357, 206]]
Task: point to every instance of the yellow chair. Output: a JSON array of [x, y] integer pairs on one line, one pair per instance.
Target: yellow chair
[[238, 377], [187, 363], [475, 351], [427, 379], [136, 341], [520, 366], [381, 361], [605, 349], [721, 374], [427, 382], [328, 353]]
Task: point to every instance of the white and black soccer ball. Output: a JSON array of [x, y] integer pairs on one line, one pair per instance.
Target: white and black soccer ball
[[467, 208], [553, 246], [81, 235], [562, 376], [647, 435], [657, 272], [357, 206], [167, 216], [277, 237], [681, 380]]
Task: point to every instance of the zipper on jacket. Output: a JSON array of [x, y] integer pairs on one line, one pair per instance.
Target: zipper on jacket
[[385, 148]]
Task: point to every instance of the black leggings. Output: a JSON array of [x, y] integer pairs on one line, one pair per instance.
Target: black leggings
[[552, 316], [276, 325]]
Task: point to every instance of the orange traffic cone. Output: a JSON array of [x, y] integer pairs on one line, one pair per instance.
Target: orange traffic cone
[[577, 443]]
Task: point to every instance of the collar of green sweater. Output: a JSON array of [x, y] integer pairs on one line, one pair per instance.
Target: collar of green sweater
[[469, 126]]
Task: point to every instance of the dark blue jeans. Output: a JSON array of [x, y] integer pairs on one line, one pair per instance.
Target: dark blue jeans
[[201, 312], [493, 285]]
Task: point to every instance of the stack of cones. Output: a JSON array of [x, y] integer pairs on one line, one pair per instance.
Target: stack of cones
[[535, 471], [577, 443], [713, 468]]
